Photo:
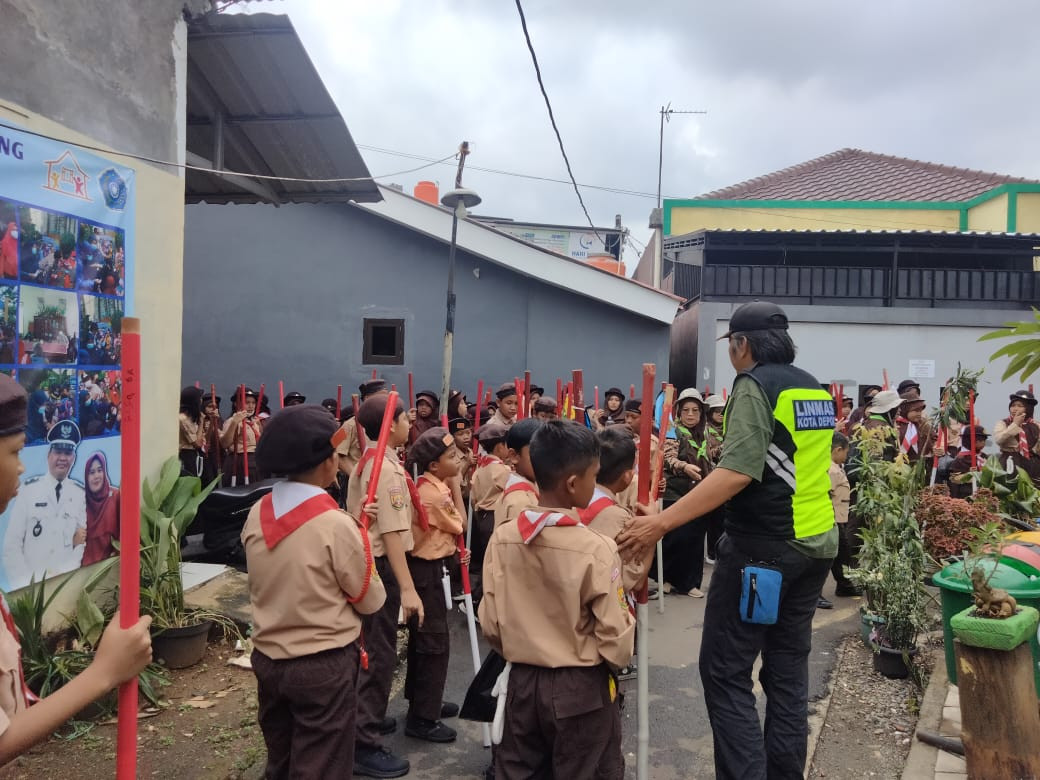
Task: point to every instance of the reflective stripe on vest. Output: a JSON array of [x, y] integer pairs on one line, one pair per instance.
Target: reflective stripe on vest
[[808, 416]]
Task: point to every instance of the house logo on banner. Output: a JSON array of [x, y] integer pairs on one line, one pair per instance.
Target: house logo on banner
[[66, 282], [65, 175]]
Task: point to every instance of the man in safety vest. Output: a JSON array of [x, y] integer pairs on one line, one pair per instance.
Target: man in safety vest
[[773, 478]]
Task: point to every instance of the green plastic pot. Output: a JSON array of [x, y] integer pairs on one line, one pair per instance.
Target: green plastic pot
[[994, 633]]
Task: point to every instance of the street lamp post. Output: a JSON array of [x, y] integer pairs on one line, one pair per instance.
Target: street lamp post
[[458, 200]]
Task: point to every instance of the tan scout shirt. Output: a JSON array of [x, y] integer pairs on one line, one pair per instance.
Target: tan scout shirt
[[841, 492], [628, 497], [12, 692], [611, 521], [298, 590], [395, 503], [445, 521], [558, 600], [488, 483], [500, 419], [253, 430], [467, 463], [349, 450], [510, 504]]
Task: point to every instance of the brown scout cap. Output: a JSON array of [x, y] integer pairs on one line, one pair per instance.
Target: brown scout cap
[[492, 432], [506, 390], [429, 446], [14, 406]]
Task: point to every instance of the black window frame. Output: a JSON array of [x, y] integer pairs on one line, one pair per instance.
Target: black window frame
[[368, 356]]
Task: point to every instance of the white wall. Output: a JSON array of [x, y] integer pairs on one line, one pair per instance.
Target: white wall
[[857, 353]]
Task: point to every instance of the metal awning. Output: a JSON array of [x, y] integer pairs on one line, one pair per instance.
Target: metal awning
[[256, 104]]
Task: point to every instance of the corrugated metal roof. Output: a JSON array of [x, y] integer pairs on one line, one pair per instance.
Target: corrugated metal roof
[[856, 175], [1025, 240], [279, 119]]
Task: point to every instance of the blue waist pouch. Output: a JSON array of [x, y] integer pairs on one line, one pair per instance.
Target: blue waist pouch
[[760, 593]]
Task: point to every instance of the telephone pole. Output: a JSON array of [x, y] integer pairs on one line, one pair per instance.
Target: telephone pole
[[657, 221]]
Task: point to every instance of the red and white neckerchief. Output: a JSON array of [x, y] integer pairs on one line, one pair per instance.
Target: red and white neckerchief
[[1023, 440], [980, 460], [30, 697], [910, 438], [600, 501], [531, 522], [487, 460], [413, 491], [288, 506], [516, 483]]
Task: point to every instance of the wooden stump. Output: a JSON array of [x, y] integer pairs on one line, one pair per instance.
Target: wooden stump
[[1000, 722]]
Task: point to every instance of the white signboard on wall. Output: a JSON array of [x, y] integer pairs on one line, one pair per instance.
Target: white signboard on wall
[[921, 369], [578, 244]]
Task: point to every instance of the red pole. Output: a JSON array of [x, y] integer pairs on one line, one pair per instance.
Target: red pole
[[411, 391], [245, 455], [631, 392], [884, 374], [476, 417], [197, 385], [595, 391], [519, 398], [339, 402], [381, 443], [375, 374], [281, 394], [559, 393], [130, 538], [724, 394], [578, 377], [527, 393], [213, 400]]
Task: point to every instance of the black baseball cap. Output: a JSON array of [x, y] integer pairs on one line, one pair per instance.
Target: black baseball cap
[[757, 315]]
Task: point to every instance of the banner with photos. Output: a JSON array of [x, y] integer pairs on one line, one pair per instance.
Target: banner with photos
[[66, 259]]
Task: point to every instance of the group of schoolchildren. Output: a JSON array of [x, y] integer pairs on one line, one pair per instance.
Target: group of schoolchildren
[[329, 586]]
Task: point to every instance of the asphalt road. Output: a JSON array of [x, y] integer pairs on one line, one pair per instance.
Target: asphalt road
[[680, 737]]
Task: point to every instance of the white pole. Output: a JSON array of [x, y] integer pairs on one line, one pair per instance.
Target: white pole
[[660, 577], [471, 623], [643, 691]]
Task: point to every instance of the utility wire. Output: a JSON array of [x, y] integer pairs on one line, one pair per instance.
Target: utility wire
[[221, 172], [552, 119]]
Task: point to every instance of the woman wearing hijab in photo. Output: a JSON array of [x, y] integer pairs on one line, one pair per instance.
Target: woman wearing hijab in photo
[[102, 511]]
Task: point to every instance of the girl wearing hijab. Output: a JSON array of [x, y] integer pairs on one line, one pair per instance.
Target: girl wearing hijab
[[102, 510], [192, 433], [426, 405], [614, 408]]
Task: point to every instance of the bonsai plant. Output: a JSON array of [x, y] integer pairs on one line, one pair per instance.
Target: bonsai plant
[[948, 524], [180, 633]]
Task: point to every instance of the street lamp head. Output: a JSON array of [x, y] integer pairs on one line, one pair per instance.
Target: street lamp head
[[467, 199]]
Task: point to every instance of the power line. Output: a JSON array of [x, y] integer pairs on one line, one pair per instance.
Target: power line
[[220, 171], [552, 119]]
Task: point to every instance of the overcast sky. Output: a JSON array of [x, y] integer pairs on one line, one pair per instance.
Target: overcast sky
[[948, 81]]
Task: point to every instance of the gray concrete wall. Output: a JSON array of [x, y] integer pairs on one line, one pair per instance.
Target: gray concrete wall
[[281, 293], [104, 67], [853, 345]]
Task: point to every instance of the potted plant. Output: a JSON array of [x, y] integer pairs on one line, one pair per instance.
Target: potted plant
[[949, 525], [180, 634]]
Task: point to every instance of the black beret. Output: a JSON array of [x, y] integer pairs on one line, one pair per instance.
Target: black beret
[[457, 424], [634, 405], [433, 443], [429, 395], [906, 384], [14, 406], [615, 392], [295, 397], [537, 389], [506, 390], [371, 387], [296, 439]]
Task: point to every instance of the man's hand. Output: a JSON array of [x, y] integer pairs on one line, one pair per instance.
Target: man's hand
[[412, 605], [80, 537], [640, 536]]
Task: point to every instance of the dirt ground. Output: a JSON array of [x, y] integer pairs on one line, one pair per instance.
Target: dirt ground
[[208, 730], [870, 720]]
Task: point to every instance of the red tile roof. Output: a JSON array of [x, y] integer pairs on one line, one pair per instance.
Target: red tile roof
[[855, 175]]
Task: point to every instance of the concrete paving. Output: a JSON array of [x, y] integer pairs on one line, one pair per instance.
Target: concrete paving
[[680, 737]]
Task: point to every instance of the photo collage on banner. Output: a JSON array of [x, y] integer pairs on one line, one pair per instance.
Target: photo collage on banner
[[66, 252]]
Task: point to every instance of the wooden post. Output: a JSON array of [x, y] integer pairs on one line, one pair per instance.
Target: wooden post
[[1000, 723]]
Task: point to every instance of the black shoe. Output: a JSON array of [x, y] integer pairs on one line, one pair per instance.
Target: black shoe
[[848, 590], [429, 730], [387, 726], [449, 709], [822, 603], [489, 772], [378, 762]]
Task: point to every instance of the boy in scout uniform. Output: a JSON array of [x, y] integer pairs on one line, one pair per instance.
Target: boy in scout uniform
[[520, 491], [47, 531], [120, 656], [309, 585], [489, 480], [461, 430], [349, 449], [438, 526], [544, 409], [390, 534], [508, 405], [563, 636]]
